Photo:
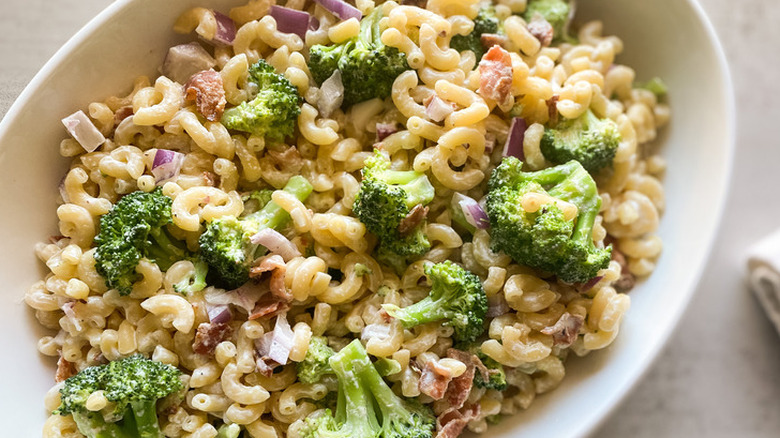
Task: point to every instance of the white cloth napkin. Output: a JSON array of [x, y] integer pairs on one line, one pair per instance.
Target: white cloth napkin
[[764, 275]]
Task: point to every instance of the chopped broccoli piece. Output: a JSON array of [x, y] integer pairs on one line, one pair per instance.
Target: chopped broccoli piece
[[456, 296], [496, 374], [273, 112], [225, 244], [133, 385], [315, 364], [195, 282], [368, 67], [556, 12], [656, 86], [387, 367], [587, 139], [385, 198], [132, 230], [544, 239], [256, 200], [229, 431], [367, 407], [485, 22]]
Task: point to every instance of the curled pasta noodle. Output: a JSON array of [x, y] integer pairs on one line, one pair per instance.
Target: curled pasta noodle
[[160, 106], [173, 307], [203, 203]]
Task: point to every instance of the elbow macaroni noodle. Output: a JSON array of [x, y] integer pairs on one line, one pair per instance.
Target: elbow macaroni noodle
[[336, 287]]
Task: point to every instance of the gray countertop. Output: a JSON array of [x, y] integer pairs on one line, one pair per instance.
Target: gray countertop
[[720, 374]]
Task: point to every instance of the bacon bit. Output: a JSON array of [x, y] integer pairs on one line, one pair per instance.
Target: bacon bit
[[208, 92], [541, 29], [384, 315], [210, 179], [489, 40], [412, 220], [266, 365], [565, 331], [275, 264], [209, 335], [289, 159], [437, 109], [451, 423], [122, 113], [495, 76], [627, 280], [484, 372], [268, 306], [434, 380], [552, 108], [460, 387], [65, 369], [384, 130]]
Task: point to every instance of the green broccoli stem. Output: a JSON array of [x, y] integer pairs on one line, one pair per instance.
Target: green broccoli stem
[[196, 282], [357, 408], [370, 33], [577, 187], [421, 312], [272, 215], [93, 425], [145, 415], [164, 251]]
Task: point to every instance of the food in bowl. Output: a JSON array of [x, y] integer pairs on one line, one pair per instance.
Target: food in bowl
[[348, 219]]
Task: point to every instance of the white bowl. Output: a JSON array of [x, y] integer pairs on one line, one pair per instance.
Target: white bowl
[[667, 38]]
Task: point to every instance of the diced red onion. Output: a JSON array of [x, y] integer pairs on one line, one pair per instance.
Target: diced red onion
[[384, 130], [291, 20], [490, 143], [314, 23], [219, 314], [276, 243], [167, 165], [514, 141], [343, 10], [473, 213], [263, 344], [331, 94], [63, 192], [588, 285], [226, 29], [497, 305], [67, 308], [185, 60], [282, 342], [244, 297], [437, 109], [85, 132]]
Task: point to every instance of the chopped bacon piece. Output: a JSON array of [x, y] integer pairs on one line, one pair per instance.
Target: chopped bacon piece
[[489, 40], [122, 113], [265, 366], [209, 335], [627, 280], [275, 264], [541, 29], [451, 423], [460, 387], [65, 369], [495, 76], [434, 380], [206, 89], [552, 108], [564, 332], [289, 159], [210, 179], [437, 109], [269, 305], [412, 220]]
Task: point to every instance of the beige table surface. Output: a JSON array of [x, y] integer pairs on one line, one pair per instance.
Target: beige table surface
[[720, 374]]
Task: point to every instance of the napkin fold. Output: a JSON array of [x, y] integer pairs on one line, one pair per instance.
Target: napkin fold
[[764, 275]]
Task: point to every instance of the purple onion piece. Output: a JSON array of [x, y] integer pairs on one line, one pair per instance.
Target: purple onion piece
[[340, 9], [81, 128], [588, 285], [184, 60], [497, 305], [514, 141], [473, 213], [314, 23], [282, 342], [276, 243], [219, 314], [291, 20], [167, 165], [384, 130], [226, 29]]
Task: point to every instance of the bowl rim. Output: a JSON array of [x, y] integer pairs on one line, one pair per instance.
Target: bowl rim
[[591, 423]]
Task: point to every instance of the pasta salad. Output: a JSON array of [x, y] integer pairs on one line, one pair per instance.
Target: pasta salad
[[349, 218]]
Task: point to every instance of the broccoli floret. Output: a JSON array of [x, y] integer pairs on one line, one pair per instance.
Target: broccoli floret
[[133, 385], [556, 12], [496, 374], [273, 111], [225, 244], [194, 282], [456, 296], [385, 198], [485, 22], [132, 230], [367, 407], [545, 239], [229, 431], [315, 364], [368, 67], [587, 139], [656, 86]]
